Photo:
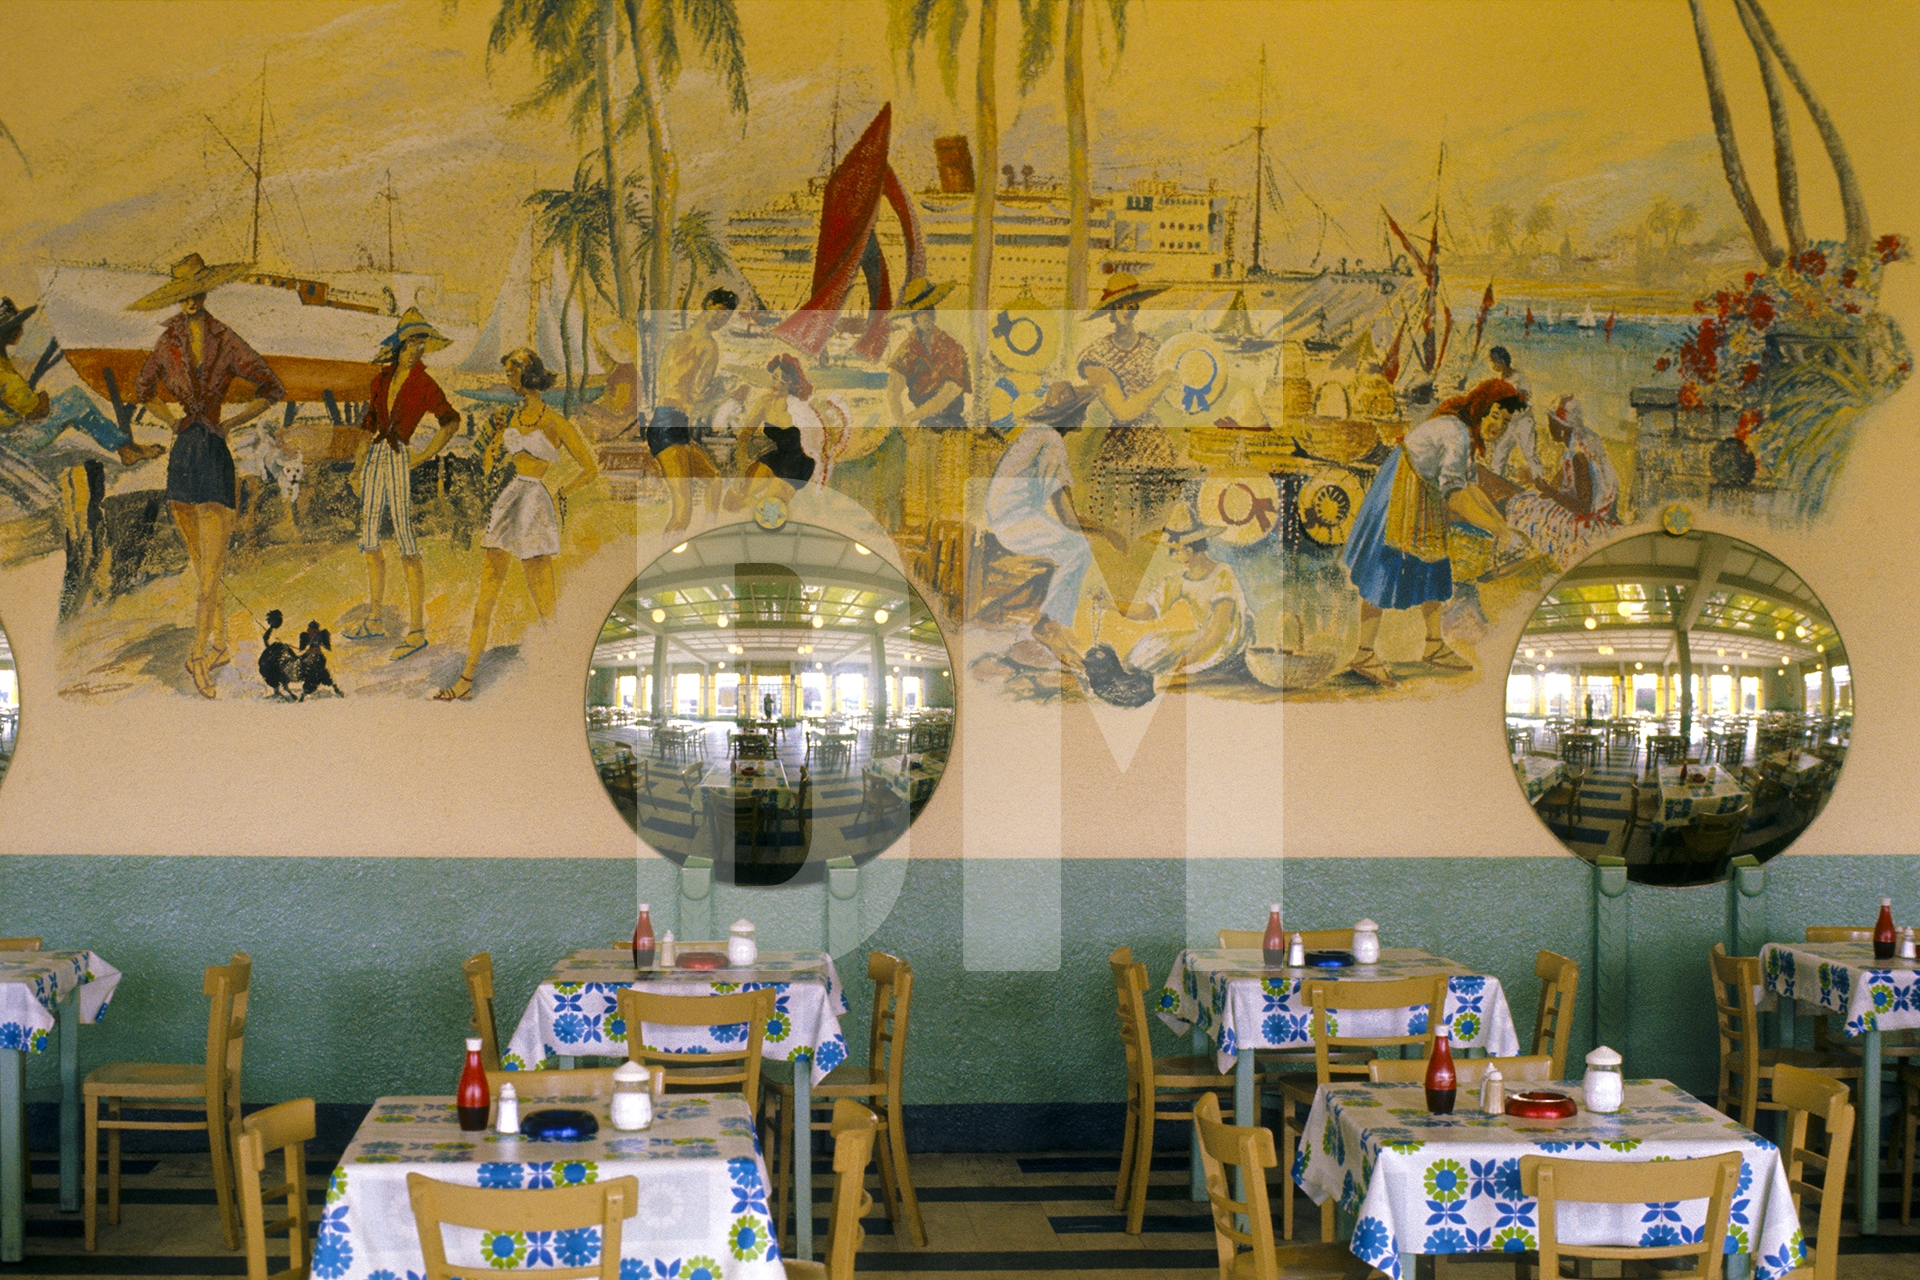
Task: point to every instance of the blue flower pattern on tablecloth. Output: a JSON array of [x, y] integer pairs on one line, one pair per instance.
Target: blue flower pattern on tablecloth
[[499, 1176], [332, 1251], [577, 1247], [1867, 997]]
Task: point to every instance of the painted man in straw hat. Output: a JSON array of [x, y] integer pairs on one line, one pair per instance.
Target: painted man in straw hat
[[403, 393], [927, 385], [1217, 638], [687, 369], [195, 362], [1030, 511], [19, 402], [1134, 471]]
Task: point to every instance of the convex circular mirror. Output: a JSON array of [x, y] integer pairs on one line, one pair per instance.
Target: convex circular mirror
[[9, 705], [770, 701], [1679, 702]]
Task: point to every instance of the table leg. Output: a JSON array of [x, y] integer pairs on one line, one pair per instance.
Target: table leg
[[1246, 1103], [1738, 1266], [1869, 1142], [1196, 1172], [70, 1113], [802, 1138], [13, 1143], [565, 1060], [1784, 1020]]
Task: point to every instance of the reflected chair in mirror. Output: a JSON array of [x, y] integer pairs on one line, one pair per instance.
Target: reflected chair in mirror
[[212, 1087], [1810, 1096], [1531, 1068], [701, 1072], [1637, 1183], [689, 778], [854, 1130], [1553, 1017], [604, 1206], [1563, 795], [1322, 995], [877, 1083], [1665, 749], [732, 817], [1642, 808], [1157, 1088], [1623, 739], [1709, 839], [789, 832], [1518, 740], [883, 810], [478, 971], [1248, 1150], [286, 1128], [19, 944], [1746, 1069], [1580, 752], [835, 753]]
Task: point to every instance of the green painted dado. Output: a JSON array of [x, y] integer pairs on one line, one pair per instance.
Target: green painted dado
[[357, 990]]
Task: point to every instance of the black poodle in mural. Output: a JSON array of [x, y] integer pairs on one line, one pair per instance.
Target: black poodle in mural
[[281, 663]]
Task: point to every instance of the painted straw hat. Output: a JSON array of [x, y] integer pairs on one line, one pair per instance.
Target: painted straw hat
[[1121, 288], [191, 275], [412, 325], [1065, 402], [1186, 530], [922, 294], [1200, 370], [1025, 335]]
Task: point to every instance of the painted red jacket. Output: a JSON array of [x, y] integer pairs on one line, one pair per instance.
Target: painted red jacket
[[419, 396], [199, 389]]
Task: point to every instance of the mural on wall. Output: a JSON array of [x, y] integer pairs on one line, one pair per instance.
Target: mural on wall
[[1252, 388]]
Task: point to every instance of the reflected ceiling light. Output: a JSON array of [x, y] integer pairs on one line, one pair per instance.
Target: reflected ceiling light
[[1820, 648], [896, 671], [862, 550], [880, 616], [1549, 653], [659, 615], [946, 673], [682, 547], [1606, 649], [1782, 671], [1779, 635], [720, 621], [816, 666], [1539, 666], [1719, 653], [722, 665], [1637, 666], [1743, 655], [819, 621], [1800, 632], [1627, 608], [1529, 653], [1591, 623], [1724, 667], [812, 607]]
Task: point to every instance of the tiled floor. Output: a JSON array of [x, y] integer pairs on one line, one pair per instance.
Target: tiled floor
[[1001, 1216]]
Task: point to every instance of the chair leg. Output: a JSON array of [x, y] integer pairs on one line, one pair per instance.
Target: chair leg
[[90, 1172], [1290, 1142], [223, 1189], [889, 1179], [903, 1175], [1123, 1184], [113, 1166], [777, 1158], [1906, 1173], [1326, 1223], [1142, 1168]]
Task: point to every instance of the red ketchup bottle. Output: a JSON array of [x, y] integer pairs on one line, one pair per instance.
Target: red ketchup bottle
[[1442, 1081], [1883, 931], [470, 1100], [643, 940], [1273, 947]]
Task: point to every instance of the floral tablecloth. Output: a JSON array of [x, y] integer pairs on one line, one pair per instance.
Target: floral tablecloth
[[1420, 1183], [32, 984], [576, 1010], [1682, 802], [703, 1193], [1538, 775], [1241, 1005], [1792, 768], [1844, 978]]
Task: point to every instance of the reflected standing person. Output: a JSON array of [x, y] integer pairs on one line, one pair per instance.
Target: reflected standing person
[[196, 361], [524, 523]]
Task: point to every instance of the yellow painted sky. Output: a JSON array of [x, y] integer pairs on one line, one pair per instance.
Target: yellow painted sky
[[1597, 105]]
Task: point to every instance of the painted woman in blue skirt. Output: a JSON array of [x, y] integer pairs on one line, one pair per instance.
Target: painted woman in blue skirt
[[1397, 551]]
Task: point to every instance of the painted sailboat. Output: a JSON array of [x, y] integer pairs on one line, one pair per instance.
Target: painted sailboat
[[1235, 331]]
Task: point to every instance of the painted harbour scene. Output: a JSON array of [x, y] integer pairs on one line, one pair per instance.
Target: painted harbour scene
[[335, 354]]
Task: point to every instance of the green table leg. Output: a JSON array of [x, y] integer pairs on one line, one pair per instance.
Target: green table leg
[[13, 1145], [1869, 1144], [803, 1157], [70, 1113], [1246, 1103]]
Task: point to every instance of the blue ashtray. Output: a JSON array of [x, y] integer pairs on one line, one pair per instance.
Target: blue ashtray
[[559, 1125], [1329, 959]]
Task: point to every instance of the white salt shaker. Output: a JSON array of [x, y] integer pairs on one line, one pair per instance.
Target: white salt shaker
[[632, 1106], [742, 948], [507, 1118], [1493, 1092], [1603, 1086], [1907, 948], [1366, 943], [667, 954], [1297, 952]]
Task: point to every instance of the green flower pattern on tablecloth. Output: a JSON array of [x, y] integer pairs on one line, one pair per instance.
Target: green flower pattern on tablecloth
[[1459, 1190], [32, 987], [503, 1249], [337, 1185]]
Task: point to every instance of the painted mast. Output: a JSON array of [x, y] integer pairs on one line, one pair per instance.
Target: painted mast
[[1259, 164]]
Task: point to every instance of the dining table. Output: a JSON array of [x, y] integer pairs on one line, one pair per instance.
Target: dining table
[[1871, 997], [1792, 769], [575, 1012], [1415, 1183], [1683, 801], [1228, 998], [703, 1205], [1538, 775], [39, 992]]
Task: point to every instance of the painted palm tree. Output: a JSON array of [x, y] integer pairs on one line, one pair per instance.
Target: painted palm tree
[[15, 144], [942, 23], [653, 30], [574, 221], [695, 243], [1040, 35], [573, 42]]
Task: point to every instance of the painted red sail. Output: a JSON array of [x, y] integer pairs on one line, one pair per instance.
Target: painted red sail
[[848, 250]]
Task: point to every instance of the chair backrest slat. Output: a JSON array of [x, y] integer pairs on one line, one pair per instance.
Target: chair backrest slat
[[1809, 1095], [1837, 933], [1327, 996], [605, 1205], [853, 1128], [1311, 939], [1248, 1148], [479, 974], [1711, 1178], [1553, 1020], [286, 1128], [892, 1008], [1130, 998], [754, 1008], [226, 986], [19, 944], [1734, 980]]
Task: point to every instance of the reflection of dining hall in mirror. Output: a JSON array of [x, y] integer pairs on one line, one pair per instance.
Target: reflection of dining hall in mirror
[[9, 706], [1678, 702], [771, 702]]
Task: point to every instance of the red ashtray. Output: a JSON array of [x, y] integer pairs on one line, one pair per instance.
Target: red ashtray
[[1541, 1105], [700, 960]]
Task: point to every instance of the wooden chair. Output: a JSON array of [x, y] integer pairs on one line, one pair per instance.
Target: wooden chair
[[1533, 1068], [691, 795], [1321, 995], [19, 944], [889, 809], [1152, 1083], [286, 1128], [1643, 807], [878, 1083], [1711, 1178], [212, 1087], [479, 973], [732, 814], [783, 860], [1741, 1057], [1709, 839], [1312, 939], [1249, 1149], [854, 1130], [1553, 1019], [605, 1205], [1564, 795], [1580, 753], [1910, 1088], [1808, 1095], [703, 1072]]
